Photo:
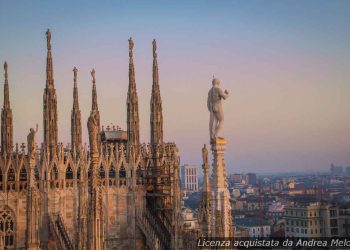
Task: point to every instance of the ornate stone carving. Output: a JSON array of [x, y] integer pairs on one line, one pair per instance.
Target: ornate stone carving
[[205, 155], [93, 133], [31, 142]]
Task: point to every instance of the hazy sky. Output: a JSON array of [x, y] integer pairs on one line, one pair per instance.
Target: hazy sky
[[286, 65]]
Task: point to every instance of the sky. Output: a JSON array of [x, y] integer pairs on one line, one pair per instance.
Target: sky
[[285, 64]]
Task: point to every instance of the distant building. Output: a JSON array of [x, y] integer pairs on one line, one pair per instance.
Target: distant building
[[190, 222], [113, 135], [254, 227], [312, 220], [189, 178], [347, 170], [251, 179], [336, 170], [275, 211]]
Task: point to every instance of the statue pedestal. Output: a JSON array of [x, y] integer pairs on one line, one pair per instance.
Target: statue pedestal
[[220, 195]]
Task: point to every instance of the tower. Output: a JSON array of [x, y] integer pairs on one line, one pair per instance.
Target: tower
[[156, 104], [6, 119], [133, 121], [75, 117], [50, 104]]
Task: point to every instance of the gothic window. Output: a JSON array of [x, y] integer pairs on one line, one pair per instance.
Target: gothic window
[[122, 175], [69, 176], [69, 173], [101, 172], [122, 172], [139, 175], [23, 179], [7, 228], [112, 172], [11, 179], [54, 177], [23, 174], [112, 176]]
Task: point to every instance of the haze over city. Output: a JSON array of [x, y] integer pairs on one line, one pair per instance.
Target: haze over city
[[285, 66]]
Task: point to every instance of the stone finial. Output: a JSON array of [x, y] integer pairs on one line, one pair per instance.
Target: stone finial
[[131, 47], [154, 43], [93, 75], [5, 68], [75, 70], [48, 39], [205, 155]]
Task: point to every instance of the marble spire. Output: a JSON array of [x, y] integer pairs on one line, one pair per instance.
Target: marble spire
[[156, 103], [50, 103], [133, 121], [76, 134], [6, 119]]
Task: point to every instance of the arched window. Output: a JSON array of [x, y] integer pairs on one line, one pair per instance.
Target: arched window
[[23, 174], [11, 179], [122, 175], [122, 172], [7, 228], [112, 176], [69, 176], [69, 173], [54, 177], [23, 179], [102, 172], [139, 175], [112, 172]]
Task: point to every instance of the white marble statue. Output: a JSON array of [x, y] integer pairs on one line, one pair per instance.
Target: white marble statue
[[215, 108], [31, 142]]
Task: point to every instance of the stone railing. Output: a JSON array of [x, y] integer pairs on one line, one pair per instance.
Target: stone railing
[[154, 230], [60, 232]]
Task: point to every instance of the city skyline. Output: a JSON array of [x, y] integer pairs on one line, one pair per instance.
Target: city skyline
[[288, 82]]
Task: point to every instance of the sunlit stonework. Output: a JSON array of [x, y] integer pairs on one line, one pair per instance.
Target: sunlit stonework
[[115, 194]]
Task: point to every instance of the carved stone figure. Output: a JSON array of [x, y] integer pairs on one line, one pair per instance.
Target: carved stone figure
[[93, 75], [48, 39], [154, 43], [215, 108], [93, 133], [131, 46], [205, 155], [31, 141]]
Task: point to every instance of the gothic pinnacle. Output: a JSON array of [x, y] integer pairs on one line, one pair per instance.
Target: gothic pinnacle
[[6, 119], [132, 103], [75, 90], [94, 92], [131, 46], [50, 103], [49, 66], [6, 88], [76, 136], [48, 39], [156, 103]]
